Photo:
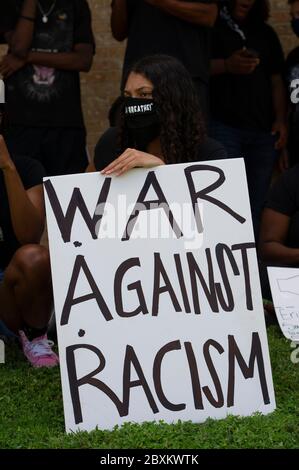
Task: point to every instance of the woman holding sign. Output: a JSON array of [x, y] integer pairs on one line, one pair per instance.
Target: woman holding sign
[[160, 118], [25, 280]]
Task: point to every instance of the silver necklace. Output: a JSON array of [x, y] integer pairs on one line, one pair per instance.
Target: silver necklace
[[45, 15]]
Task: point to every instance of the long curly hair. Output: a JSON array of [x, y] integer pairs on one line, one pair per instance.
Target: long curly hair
[[178, 108]]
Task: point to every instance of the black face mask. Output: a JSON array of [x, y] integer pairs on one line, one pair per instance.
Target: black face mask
[[142, 121]]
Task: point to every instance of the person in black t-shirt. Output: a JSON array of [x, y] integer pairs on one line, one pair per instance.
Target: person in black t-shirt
[[173, 27], [279, 243], [292, 74], [25, 279], [160, 121], [279, 235], [248, 99], [50, 42]]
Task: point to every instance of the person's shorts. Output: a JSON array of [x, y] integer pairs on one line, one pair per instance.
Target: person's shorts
[[4, 331]]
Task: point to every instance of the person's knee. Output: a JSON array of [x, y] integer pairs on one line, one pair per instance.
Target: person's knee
[[31, 261]]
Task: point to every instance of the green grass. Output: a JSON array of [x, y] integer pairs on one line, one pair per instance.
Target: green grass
[[31, 414]]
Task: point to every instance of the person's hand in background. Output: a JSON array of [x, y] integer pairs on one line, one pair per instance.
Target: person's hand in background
[[241, 63]]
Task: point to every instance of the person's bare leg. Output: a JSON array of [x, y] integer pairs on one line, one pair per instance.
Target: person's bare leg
[[26, 292]]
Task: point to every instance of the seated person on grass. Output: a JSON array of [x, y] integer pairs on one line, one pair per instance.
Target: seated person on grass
[[279, 237], [25, 280], [279, 244]]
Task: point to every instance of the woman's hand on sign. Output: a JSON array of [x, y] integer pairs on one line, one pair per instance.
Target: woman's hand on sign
[[131, 158], [5, 160], [241, 63]]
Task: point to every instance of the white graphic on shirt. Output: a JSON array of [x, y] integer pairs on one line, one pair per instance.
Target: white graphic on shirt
[[43, 75], [294, 84]]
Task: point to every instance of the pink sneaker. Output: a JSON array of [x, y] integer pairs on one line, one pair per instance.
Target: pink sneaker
[[38, 351]]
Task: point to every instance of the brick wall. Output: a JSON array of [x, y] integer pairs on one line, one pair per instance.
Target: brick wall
[[101, 85], [280, 19]]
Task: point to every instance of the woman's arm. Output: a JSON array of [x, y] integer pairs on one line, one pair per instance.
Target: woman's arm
[[280, 110], [21, 38], [119, 19], [80, 59], [131, 158], [272, 247], [26, 207]]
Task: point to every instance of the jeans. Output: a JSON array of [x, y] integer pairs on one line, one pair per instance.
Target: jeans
[[257, 149]]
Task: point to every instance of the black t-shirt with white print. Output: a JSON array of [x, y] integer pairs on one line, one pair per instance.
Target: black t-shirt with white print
[[40, 96], [31, 173]]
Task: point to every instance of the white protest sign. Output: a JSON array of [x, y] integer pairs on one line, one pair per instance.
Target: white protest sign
[[158, 305], [284, 283]]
